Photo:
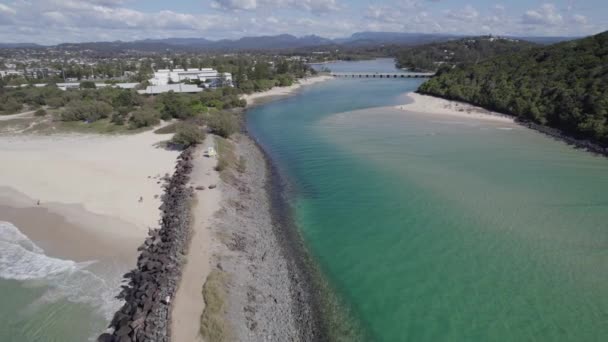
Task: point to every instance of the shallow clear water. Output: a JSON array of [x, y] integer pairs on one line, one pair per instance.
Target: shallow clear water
[[434, 228], [49, 299]]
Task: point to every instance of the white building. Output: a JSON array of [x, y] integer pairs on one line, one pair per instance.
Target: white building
[[208, 77], [5, 73], [177, 88]]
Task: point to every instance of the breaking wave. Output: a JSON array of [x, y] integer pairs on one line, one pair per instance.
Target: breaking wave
[[22, 260]]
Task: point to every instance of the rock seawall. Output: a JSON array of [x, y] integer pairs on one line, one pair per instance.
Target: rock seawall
[[559, 135], [145, 316]]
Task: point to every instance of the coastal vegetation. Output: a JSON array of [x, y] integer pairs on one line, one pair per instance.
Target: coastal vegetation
[[93, 109], [563, 86], [187, 135], [227, 159], [466, 51], [213, 325]]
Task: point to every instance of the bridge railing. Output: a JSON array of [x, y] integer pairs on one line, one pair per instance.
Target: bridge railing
[[381, 75]]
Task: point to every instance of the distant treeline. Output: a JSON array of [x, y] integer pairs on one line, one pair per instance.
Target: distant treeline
[[431, 57], [564, 86]]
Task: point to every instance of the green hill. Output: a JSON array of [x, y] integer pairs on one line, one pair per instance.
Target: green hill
[[430, 57], [563, 86]]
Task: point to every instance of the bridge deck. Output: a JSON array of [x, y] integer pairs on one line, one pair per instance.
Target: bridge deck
[[382, 75]]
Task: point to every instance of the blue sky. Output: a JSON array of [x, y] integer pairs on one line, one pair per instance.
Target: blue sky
[[54, 21]]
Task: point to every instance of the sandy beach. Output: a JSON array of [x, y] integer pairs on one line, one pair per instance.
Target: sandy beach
[[284, 91], [79, 195], [438, 106]]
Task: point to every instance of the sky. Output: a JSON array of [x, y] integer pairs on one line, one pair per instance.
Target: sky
[[56, 21]]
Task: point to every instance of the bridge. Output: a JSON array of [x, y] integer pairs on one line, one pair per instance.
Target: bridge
[[382, 74]]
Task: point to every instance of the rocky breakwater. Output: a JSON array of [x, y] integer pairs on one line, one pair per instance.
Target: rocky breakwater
[[145, 316], [570, 140]]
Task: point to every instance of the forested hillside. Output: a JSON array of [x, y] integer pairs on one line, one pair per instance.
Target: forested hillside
[[563, 86], [431, 57]]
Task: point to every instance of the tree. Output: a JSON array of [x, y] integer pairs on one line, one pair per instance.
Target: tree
[[175, 106], [564, 86], [87, 85]]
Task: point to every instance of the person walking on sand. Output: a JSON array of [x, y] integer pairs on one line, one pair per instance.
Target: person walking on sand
[[141, 199]]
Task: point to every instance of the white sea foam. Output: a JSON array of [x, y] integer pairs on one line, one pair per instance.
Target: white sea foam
[[21, 259]]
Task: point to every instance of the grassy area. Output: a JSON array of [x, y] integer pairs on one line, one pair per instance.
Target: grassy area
[[169, 129], [103, 126], [214, 327], [227, 159], [15, 125], [242, 165]]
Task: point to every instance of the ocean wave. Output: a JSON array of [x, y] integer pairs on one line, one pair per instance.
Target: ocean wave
[[22, 260]]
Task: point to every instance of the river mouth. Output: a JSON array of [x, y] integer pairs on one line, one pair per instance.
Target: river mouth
[[431, 228]]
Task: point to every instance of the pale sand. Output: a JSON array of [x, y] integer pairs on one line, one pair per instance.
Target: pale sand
[[103, 175], [22, 115], [283, 91], [438, 106], [73, 235], [188, 304]]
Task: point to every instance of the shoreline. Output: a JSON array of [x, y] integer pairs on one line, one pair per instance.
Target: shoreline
[[262, 295], [259, 265], [277, 92], [434, 105], [437, 106], [71, 216]]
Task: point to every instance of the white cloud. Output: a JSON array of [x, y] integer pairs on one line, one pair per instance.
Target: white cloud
[[468, 13], [235, 4], [579, 19], [317, 6], [4, 9], [545, 15], [313, 6], [53, 21]]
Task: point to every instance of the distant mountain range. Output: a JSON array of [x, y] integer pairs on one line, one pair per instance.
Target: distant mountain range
[[283, 41]]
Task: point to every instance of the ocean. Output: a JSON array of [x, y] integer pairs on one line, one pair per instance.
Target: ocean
[[50, 299], [436, 228]]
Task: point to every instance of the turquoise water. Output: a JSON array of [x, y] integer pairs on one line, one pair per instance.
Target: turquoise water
[[433, 228]]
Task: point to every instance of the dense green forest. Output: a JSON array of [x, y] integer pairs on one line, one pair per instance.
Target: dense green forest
[[564, 86], [431, 57]]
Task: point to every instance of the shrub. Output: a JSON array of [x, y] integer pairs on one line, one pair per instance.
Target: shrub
[[87, 85], [223, 124], [10, 105], [55, 102], [285, 80], [40, 112], [187, 135], [144, 118], [118, 119], [86, 110]]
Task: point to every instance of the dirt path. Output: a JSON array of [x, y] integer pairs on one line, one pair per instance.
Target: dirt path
[[188, 303]]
